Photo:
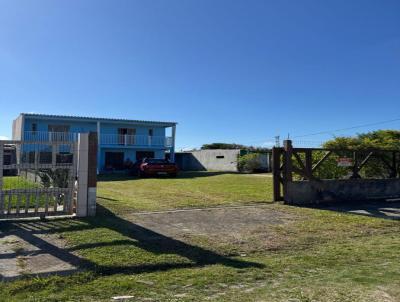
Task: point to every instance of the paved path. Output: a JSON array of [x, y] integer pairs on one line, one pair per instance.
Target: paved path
[[26, 251]]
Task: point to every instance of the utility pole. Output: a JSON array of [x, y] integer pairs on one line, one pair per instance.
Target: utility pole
[[277, 141]]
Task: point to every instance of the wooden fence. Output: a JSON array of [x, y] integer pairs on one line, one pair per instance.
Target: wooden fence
[[291, 164]]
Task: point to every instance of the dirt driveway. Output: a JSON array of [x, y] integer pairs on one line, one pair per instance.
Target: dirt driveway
[[242, 228]]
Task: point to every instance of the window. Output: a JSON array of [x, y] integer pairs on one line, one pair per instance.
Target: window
[[220, 156], [150, 132], [34, 127], [58, 128]]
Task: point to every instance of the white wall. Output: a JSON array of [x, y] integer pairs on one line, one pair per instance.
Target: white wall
[[217, 160]]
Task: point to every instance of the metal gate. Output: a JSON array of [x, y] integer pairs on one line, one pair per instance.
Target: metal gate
[[37, 178]]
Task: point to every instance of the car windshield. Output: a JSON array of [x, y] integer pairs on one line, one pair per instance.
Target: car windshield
[[156, 161]]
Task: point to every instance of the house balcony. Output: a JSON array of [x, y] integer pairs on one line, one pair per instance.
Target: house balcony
[[45, 136], [105, 139], [136, 140]]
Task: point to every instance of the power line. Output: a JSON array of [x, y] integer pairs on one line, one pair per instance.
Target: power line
[[348, 128], [273, 140]]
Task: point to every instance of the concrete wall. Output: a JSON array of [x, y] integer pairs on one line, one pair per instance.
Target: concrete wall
[[17, 128], [202, 160], [215, 160], [309, 192]]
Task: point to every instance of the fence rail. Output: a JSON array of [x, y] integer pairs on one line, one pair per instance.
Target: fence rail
[[135, 140], [44, 136], [105, 139]]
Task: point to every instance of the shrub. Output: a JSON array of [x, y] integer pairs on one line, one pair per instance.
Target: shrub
[[249, 163], [57, 178]]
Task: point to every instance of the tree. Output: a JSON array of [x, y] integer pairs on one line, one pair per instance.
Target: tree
[[376, 168], [249, 163], [222, 146], [233, 146], [385, 139]]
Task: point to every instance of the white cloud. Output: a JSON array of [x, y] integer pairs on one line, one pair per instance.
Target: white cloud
[[187, 149], [2, 137], [268, 144]]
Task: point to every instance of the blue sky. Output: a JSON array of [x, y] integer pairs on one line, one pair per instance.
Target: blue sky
[[231, 71]]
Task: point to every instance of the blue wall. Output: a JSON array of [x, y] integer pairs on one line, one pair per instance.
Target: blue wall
[[76, 127]]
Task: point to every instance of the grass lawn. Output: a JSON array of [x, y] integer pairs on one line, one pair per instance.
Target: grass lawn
[[320, 256], [191, 189], [16, 182]]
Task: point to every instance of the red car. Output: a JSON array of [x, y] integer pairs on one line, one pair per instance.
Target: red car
[[152, 167]]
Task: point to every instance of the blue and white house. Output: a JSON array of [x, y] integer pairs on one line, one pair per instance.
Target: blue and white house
[[119, 140]]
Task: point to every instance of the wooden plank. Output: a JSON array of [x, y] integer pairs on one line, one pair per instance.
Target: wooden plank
[[355, 166], [321, 161], [363, 163], [301, 172], [301, 164], [287, 172], [308, 158], [394, 165], [288, 160]]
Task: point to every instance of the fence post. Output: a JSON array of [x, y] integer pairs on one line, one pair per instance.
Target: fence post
[[393, 173], [288, 166], [87, 174], [308, 164], [276, 173]]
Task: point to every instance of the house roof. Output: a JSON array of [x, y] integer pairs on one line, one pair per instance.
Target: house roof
[[95, 119]]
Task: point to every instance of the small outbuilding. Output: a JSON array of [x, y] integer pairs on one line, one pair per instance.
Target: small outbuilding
[[224, 160]]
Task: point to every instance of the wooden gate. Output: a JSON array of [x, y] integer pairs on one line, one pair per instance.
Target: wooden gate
[[305, 172], [37, 178]]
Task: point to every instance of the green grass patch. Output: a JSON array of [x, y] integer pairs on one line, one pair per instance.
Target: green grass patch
[[189, 189], [18, 182], [15, 182]]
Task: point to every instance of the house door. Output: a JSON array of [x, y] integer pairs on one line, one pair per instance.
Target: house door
[[114, 160], [144, 154]]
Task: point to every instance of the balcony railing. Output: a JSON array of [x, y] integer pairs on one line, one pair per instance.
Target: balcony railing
[[135, 140], [105, 139], [44, 136]]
